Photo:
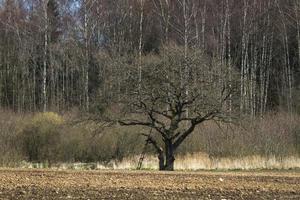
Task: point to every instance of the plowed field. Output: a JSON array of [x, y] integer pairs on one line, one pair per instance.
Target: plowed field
[[50, 184]]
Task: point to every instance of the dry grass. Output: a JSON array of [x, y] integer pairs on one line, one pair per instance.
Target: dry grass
[[275, 134], [197, 161], [201, 161]]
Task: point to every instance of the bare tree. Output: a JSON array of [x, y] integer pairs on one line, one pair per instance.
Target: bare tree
[[141, 23], [287, 77], [44, 91], [297, 18], [163, 102]]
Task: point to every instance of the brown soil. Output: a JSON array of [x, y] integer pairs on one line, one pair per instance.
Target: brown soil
[[48, 184]]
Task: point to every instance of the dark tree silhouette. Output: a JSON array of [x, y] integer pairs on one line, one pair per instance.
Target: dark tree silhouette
[[164, 104]]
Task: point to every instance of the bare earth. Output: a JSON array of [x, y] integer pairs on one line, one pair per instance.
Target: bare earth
[[49, 184]]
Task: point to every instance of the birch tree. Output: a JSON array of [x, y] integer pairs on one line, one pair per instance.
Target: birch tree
[[286, 57], [297, 19], [141, 23], [45, 54]]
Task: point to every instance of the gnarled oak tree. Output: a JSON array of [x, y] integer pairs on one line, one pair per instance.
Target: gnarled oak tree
[[163, 102]]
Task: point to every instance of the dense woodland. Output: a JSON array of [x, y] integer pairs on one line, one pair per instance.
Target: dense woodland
[[63, 54]]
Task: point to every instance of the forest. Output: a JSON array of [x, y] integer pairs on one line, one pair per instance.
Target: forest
[[235, 62]]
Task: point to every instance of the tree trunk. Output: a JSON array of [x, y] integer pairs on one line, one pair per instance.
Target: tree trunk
[[297, 10], [86, 70], [140, 44], [161, 160], [244, 60], [44, 89], [203, 23], [186, 46], [229, 63], [169, 154]]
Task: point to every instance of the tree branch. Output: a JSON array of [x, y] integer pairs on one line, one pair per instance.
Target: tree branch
[[140, 123], [152, 141], [135, 123], [194, 122]]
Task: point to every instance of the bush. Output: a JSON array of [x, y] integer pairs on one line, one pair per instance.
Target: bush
[[80, 144], [40, 137], [9, 151]]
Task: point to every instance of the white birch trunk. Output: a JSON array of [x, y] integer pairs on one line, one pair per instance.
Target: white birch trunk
[[288, 72], [297, 14], [86, 53], [44, 85], [142, 2], [229, 63], [203, 24], [186, 40], [244, 60], [268, 74]]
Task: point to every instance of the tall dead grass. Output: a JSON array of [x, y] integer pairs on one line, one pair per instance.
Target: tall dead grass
[[276, 134], [196, 161], [202, 161]]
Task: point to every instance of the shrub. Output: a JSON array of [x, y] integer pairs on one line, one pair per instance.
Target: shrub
[[40, 137], [9, 151]]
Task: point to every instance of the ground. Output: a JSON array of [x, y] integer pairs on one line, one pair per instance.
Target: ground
[[50, 184]]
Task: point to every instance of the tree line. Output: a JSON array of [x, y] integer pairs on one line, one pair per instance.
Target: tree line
[[61, 54]]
